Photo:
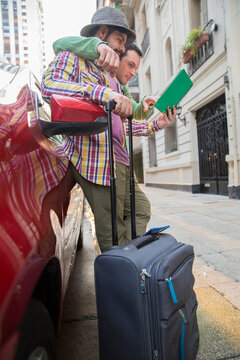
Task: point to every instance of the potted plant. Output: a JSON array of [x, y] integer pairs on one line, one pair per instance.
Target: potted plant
[[195, 39]]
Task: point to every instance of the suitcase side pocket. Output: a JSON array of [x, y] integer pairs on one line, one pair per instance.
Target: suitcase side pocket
[[175, 289]]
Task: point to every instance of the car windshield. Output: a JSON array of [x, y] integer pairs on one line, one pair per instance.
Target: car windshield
[[10, 83], [7, 74]]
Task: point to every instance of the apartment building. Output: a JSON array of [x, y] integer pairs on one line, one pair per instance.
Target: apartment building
[[201, 151], [21, 33]]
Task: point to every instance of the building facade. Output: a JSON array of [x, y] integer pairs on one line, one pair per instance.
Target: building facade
[[201, 151], [21, 33]]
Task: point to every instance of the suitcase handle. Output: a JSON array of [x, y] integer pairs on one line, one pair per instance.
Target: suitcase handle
[[144, 240]]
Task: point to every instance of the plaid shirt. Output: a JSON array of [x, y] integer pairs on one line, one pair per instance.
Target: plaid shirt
[[71, 75]]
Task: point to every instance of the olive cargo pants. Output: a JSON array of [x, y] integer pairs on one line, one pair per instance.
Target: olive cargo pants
[[98, 197]]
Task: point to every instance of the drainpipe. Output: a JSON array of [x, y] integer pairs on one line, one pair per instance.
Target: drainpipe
[[235, 148]]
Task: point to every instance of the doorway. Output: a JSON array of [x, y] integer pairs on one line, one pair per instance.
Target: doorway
[[213, 147]]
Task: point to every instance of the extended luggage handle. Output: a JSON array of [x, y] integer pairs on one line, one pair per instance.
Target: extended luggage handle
[[110, 106], [132, 183]]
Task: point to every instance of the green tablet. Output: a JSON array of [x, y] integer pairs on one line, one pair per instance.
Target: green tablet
[[175, 91]]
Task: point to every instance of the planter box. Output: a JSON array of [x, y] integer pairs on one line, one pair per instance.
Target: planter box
[[201, 41], [187, 56]]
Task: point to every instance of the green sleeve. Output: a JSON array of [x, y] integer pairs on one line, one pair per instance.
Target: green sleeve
[[138, 111], [85, 47]]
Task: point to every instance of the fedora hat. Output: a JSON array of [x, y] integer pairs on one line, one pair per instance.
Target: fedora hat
[[110, 16]]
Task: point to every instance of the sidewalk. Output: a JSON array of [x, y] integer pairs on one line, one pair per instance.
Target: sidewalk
[[212, 225]]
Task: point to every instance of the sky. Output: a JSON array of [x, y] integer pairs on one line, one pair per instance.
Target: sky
[[64, 18]]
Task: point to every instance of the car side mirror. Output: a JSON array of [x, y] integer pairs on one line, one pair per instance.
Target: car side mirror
[[71, 116]]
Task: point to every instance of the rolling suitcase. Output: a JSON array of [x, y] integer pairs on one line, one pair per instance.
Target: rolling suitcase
[[146, 305]]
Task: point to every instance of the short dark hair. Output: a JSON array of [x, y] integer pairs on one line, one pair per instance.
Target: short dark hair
[[134, 47]]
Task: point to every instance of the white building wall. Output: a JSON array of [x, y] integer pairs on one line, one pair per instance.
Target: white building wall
[[173, 19], [232, 16]]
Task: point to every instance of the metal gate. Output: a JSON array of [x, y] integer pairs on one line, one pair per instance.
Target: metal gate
[[213, 147]]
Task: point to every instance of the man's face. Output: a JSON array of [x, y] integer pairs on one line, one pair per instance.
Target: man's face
[[128, 67], [117, 41]]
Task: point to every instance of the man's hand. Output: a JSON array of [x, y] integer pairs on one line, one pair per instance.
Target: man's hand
[[164, 120], [147, 101], [123, 104], [108, 59]]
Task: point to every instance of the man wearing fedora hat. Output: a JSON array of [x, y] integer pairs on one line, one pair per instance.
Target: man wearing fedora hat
[[71, 75]]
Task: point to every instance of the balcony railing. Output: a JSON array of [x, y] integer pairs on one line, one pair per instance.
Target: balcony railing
[[204, 52], [202, 55], [145, 42]]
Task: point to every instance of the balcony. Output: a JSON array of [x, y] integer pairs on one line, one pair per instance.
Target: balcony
[[145, 42], [202, 55]]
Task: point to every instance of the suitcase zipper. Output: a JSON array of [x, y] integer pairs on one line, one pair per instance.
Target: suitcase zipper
[[172, 291], [146, 304], [145, 273], [184, 321], [154, 319]]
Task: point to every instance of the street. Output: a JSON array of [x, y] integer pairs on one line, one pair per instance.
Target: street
[[211, 224]]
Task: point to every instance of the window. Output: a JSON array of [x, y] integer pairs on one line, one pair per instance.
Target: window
[[144, 32], [199, 13], [151, 140], [7, 48], [152, 151], [168, 55], [171, 138]]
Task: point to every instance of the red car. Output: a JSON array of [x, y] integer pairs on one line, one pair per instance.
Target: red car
[[40, 211]]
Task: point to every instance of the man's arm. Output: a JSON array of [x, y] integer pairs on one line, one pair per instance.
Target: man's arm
[[69, 75], [66, 76], [91, 48], [85, 47], [144, 128], [147, 128], [138, 108]]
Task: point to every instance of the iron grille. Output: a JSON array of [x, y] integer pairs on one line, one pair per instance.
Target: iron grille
[[213, 146]]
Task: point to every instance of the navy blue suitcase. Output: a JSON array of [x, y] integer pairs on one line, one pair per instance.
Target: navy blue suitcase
[[146, 304]]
